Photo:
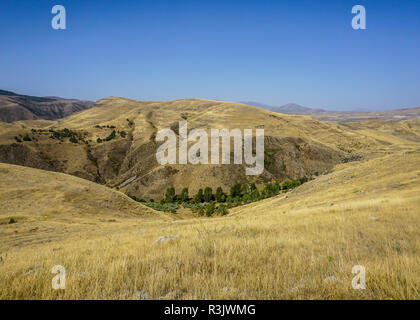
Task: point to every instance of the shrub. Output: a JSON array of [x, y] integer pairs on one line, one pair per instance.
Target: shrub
[[210, 209], [27, 138], [111, 136], [74, 140], [222, 210]]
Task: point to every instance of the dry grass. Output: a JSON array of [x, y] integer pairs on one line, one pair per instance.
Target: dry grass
[[280, 248]]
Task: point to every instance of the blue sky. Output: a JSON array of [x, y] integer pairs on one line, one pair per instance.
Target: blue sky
[[273, 52]]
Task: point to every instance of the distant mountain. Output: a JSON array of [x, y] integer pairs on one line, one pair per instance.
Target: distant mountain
[[257, 104], [16, 107], [290, 108]]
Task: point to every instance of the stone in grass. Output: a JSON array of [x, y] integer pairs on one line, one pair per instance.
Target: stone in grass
[[140, 295], [330, 279], [31, 270], [1, 259], [330, 204], [165, 238], [374, 218]]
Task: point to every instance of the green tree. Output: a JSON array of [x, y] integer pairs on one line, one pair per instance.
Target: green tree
[[208, 194], [184, 195], [219, 195], [235, 190], [170, 195], [252, 187], [198, 198]]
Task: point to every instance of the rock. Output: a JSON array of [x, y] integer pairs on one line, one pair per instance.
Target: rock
[[299, 286], [374, 218], [330, 279], [32, 269], [140, 295], [227, 289], [165, 238], [1, 259], [169, 296], [330, 204]]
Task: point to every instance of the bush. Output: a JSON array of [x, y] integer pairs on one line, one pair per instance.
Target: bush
[[111, 136], [222, 210], [27, 138], [210, 209], [74, 140]]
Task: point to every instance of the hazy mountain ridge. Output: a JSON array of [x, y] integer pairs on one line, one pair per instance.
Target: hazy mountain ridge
[[15, 107], [342, 116], [290, 108]]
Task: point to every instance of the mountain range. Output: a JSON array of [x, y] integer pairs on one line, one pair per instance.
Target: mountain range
[[17, 107]]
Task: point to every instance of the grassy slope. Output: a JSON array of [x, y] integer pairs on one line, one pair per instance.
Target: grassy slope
[[278, 248], [49, 206]]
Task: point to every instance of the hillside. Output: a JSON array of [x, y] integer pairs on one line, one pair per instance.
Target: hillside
[[16, 107], [299, 245], [295, 146], [46, 206]]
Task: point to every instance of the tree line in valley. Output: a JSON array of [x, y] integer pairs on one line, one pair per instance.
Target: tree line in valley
[[208, 203]]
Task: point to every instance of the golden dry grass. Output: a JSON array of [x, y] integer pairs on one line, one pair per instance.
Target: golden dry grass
[[299, 247]]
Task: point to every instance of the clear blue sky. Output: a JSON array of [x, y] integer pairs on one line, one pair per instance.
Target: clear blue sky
[[273, 52]]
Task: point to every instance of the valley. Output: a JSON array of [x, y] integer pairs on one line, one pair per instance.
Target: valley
[[67, 189]]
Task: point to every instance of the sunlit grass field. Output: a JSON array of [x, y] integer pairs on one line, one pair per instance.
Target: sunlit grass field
[[299, 245]]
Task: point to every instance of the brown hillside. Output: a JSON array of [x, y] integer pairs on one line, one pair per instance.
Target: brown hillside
[[295, 146]]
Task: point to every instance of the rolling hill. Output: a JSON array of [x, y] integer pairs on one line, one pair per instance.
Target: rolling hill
[[295, 146], [38, 206]]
